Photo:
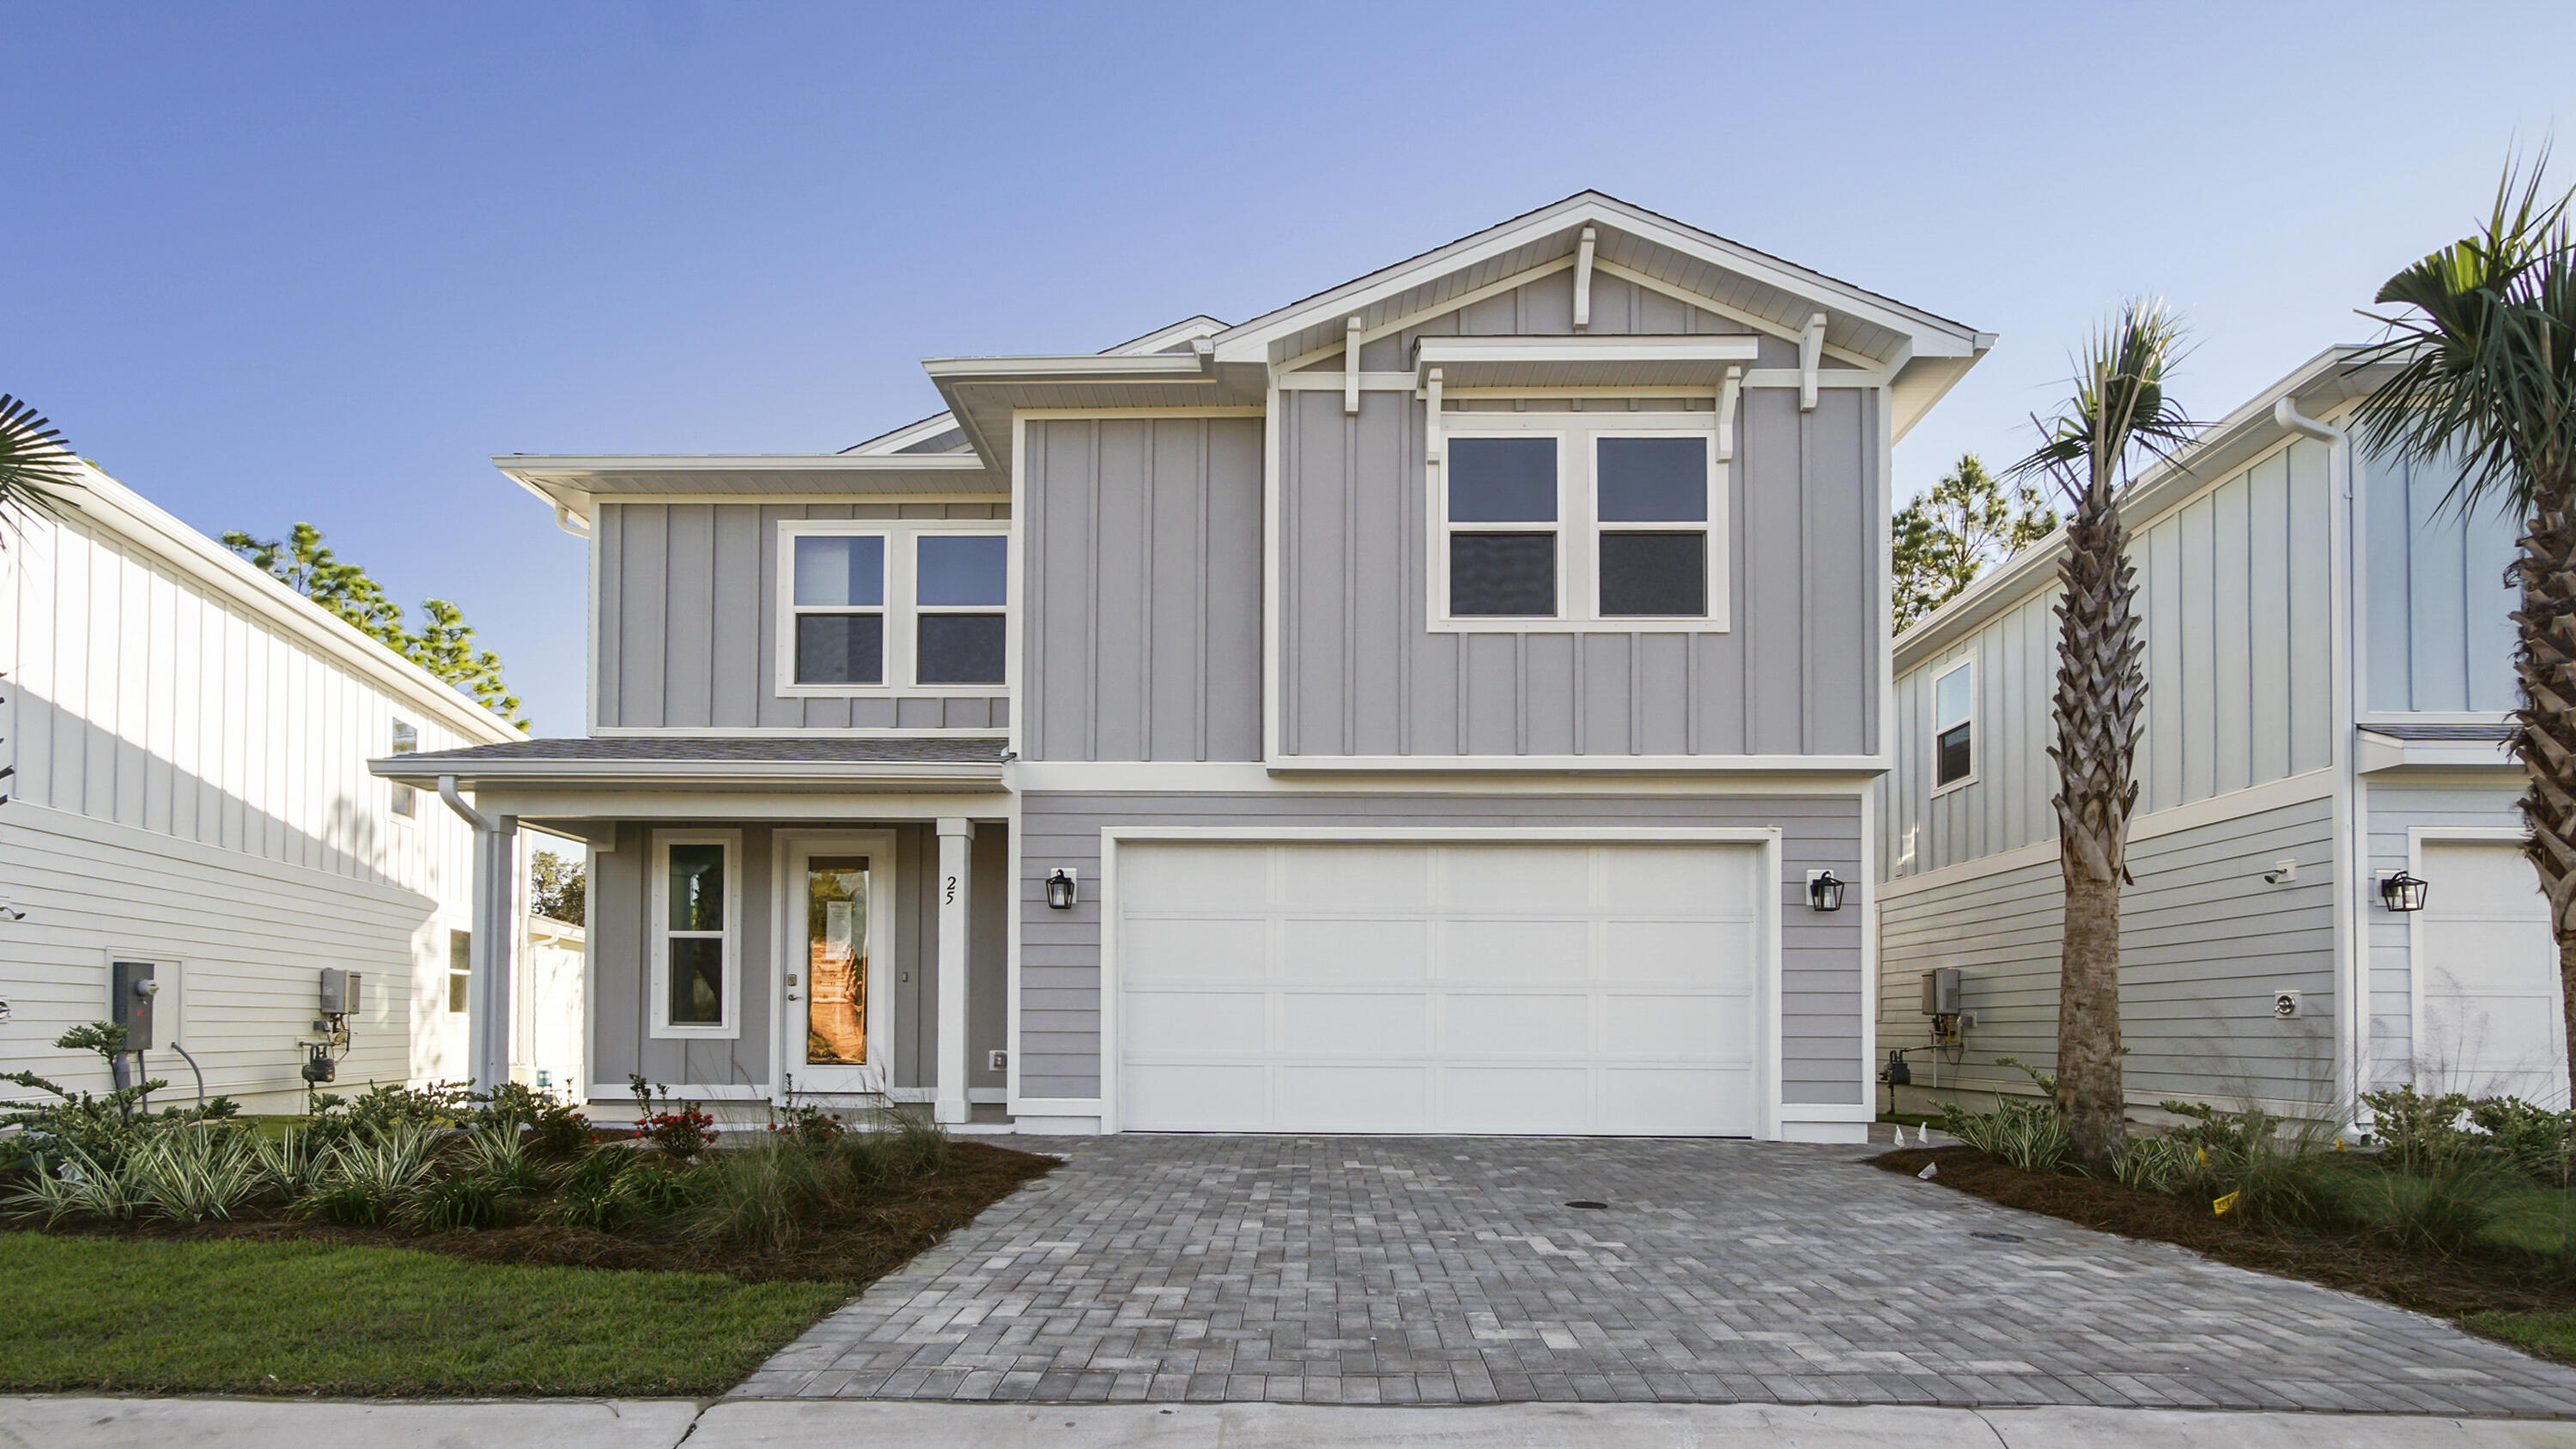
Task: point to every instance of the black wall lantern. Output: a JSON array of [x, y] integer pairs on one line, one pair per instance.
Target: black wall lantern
[[2403, 892], [1824, 890], [1059, 887]]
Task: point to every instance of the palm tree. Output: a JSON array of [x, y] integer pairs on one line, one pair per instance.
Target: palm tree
[[2485, 356], [34, 461], [2119, 414]]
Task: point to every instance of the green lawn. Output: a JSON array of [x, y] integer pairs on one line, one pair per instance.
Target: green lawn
[[2552, 1335], [243, 1317]]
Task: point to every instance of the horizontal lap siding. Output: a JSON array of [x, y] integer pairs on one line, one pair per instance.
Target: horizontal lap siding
[[2394, 808], [688, 621], [1141, 631], [2204, 944], [2234, 602], [1821, 983]]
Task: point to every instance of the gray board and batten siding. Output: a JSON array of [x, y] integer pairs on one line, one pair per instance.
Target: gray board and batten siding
[[1823, 995], [1141, 619], [2437, 607], [688, 622], [621, 961], [2204, 942], [2235, 600]]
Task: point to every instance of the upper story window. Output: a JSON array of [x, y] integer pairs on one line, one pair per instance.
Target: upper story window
[[888, 606], [406, 801], [1609, 521], [1954, 726]]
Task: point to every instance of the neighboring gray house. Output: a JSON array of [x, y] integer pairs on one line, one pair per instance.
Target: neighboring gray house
[[1421, 708], [2329, 666]]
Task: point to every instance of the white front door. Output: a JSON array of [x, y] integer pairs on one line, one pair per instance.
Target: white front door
[[1467, 987], [836, 934], [2489, 1023]]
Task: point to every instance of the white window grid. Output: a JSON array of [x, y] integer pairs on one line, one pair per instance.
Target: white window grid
[[899, 667], [1942, 724]]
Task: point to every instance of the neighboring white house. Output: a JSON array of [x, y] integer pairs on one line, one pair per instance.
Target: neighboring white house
[[190, 739], [2329, 666]]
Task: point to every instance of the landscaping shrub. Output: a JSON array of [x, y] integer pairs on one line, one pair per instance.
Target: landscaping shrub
[[74, 1184], [2538, 1142], [2441, 1207], [102, 1128], [2415, 1130], [683, 1134], [2030, 1135], [495, 1155], [559, 1129], [758, 1196], [196, 1173], [442, 1204], [2157, 1164], [365, 1179]]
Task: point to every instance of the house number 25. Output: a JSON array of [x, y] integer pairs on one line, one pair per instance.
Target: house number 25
[[950, 898]]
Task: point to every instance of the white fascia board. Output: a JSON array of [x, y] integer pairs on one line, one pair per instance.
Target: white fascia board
[[527, 465], [1188, 329], [903, 437], [2379, 753], [1081, 367], [1468, 350], [137, 520], [416, 769], [2228, 443], [1851, 765]]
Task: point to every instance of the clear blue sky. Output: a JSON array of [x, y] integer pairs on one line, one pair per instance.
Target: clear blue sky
[[320, 262]]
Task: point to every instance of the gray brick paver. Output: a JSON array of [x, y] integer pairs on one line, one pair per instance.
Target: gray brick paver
[[1432, 1270]]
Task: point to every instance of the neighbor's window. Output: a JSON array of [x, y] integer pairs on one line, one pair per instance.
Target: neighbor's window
[[959, 584], [406, 741], [1502, 526], [693, 956], [460, 970], [1651, 504], [1954, 744], [839, 608]]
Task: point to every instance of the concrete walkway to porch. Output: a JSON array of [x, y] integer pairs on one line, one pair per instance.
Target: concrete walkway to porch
[[1330, 1270]]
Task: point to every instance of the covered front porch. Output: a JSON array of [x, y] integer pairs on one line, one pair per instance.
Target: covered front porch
[[823, 919]]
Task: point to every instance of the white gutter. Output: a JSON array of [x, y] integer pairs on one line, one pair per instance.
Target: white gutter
[[2352, 831]]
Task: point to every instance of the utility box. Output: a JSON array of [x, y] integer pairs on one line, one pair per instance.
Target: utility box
[[340, 992], [130, 992], [1941, 992]]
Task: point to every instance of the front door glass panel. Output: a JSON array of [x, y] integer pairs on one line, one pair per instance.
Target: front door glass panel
[[836, 957]]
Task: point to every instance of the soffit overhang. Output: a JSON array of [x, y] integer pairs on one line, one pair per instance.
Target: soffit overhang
[[572, 483]]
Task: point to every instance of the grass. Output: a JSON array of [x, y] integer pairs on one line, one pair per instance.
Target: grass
[[2551, 1335], [239, 1316]]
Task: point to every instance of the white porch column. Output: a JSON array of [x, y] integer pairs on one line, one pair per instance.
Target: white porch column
[[492, 954], [955, 887]]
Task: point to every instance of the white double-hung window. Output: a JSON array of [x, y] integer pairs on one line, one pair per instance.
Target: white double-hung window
[[892, 606], [1567, 521], [1954, 726]]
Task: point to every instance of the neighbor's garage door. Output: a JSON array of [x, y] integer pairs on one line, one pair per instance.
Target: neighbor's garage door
[[1330, 987], [2491, 1022]]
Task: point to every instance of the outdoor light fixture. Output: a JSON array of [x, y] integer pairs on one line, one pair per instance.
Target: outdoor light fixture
[[1824, 890], [2403, 892], [1059, 885]]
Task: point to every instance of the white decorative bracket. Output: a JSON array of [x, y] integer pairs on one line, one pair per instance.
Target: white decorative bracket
[[1583, 281], [1727, 393], [1351, 367], [1435, 449], [1811, 350]]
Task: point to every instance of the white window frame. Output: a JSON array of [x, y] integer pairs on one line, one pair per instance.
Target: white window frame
[[915, 608], [899, 611], [1976, 730], [402, 802], [659, 930], [1578, 526]]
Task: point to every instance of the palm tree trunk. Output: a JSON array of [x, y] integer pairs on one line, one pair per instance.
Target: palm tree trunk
[[2100, 689], [2545, 658]]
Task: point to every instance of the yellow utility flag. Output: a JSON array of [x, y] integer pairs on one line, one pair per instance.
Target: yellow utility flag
[[2223, 1206]]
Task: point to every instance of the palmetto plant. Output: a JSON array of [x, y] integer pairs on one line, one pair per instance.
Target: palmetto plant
[[34, 462], [2485, 375], [2120, 414]]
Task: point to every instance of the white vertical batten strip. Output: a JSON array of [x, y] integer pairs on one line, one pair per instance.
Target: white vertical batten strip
[[1583, 281]]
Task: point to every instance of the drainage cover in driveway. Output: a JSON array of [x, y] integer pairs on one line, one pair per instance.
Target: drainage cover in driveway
[[1998, 1237], [1585, 1202]]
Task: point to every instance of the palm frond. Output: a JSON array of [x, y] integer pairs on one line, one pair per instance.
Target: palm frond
[[34, 461], [2121, 410]]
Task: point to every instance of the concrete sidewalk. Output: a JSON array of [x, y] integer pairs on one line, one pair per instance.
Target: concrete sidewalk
[[105, 1423]]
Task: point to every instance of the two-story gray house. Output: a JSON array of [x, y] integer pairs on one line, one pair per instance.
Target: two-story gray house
[[1423, 708], [2329, 670]]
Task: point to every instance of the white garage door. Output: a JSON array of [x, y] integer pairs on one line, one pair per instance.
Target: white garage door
[[2491, 1023], [1410, 987]]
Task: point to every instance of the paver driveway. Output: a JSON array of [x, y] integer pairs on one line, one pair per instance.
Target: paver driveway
[[1442, 1270]]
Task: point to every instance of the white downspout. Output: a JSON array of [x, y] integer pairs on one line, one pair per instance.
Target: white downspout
[[2352, 828], [492, 948]]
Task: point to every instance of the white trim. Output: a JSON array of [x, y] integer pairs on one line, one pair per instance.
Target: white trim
[[1590, 764], [1341, 382], [1767, 1085], [953, 885], [898, 607], [1420, 776], [1713, 348], [1270, 581], [1191, 410], [604, 1093], [1713, 306], [658, 937], [787, 848], [2317, 784], [649, 801], [1976, 746], [800, 732]]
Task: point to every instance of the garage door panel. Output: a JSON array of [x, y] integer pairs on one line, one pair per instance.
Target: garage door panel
[[1191, 877], [1701, 952], [1197, 1097], [1357, 1098], [1703, 1027], [1162, 949], [1515, 878], [2491, 1021], [1393, 949], [1656, 878], [1684, 1102], [1515, 1099], [1483, 1024], [1518, 952], [1354, 878], [1208, 1021], [1355, 1024]]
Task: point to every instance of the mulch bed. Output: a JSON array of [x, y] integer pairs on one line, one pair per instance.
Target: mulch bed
[[2479, 1281], [856, 1247]]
